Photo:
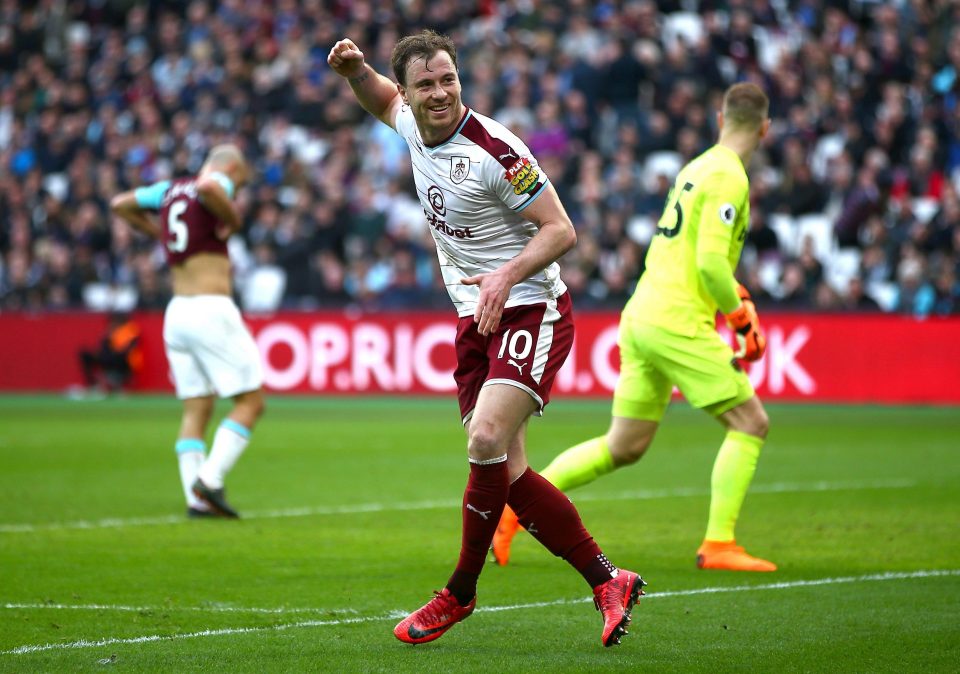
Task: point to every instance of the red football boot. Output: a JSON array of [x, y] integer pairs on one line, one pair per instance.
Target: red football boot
[[433, 619], [615, 599]]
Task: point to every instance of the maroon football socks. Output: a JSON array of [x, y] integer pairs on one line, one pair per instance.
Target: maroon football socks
[[483, 502], [550, 517]]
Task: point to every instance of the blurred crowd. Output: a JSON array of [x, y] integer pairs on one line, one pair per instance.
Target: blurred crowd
[[854, 193]]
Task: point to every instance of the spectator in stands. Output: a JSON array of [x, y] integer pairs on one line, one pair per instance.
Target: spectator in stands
[[856, 298], [825, 298], [920, 178], [761, 237], [800, 193], [868, 197], [794, 293], [327, 280], [810, 264], [940, 297], [875, 264], [911, 278]]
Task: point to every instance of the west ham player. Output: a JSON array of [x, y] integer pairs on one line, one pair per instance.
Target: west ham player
[[668, 336], [499, 229], [210, 350]]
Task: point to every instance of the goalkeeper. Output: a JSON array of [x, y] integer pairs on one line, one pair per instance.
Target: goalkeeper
[[668, 336]]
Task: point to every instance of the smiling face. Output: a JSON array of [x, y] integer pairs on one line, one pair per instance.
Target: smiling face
[[432, 90]]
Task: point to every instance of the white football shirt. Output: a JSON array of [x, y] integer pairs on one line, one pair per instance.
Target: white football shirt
[[473, 188]]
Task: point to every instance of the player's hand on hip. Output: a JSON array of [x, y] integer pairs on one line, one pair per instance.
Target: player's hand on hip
[[751, 343], [346, 59], [494, 291]]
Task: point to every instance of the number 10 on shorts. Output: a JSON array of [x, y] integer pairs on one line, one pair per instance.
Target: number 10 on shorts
[[515, 349]]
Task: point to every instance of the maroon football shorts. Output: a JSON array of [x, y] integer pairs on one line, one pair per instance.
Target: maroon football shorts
[[526, 351]]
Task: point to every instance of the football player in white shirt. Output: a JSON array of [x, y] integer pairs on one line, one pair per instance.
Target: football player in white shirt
[[499, 228]]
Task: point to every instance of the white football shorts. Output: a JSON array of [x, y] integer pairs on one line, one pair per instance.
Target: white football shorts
[[209, 348]]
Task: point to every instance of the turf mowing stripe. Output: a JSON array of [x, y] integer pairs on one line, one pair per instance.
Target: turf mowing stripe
[[396, 615], [361, 508]]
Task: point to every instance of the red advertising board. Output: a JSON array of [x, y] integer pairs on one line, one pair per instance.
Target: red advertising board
[[843, 358]]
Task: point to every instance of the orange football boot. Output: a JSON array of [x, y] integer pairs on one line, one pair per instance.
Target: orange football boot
[[729, 556], [507, 528]]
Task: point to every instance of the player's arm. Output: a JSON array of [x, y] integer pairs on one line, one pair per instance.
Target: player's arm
[[717, 219], [127, 206], [555, 237], [215, 191], [715, 237], [376, 93]]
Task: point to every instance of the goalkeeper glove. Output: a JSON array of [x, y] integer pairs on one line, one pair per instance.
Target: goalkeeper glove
[[743, 320]]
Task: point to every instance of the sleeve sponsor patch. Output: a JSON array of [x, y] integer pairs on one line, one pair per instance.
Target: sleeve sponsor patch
[[522, 176], [728, 213]]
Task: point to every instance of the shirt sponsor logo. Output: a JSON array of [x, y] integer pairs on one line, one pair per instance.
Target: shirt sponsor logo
[[435, 197], [459, 169], [441, 226], [523, 176]]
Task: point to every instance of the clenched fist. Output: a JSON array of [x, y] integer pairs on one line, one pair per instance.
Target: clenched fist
[[346, 59]]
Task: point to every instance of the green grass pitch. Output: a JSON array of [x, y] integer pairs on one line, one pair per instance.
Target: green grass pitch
[[351, 518]]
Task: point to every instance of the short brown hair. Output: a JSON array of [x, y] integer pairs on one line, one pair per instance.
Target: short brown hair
[[745, 105], [422, 45]]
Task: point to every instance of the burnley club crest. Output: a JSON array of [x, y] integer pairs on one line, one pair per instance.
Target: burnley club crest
[[459, 169]]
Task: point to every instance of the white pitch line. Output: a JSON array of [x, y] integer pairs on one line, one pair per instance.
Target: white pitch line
[[396, 615], [362, 508], [21, 650], [785, 585], [892, 575], [170, 609]]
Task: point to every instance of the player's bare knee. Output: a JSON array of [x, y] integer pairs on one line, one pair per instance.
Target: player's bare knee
[[484, 442], [758, 424], [250, 408], [627, 451], [763, 424], [634, 453], [259, 407]]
